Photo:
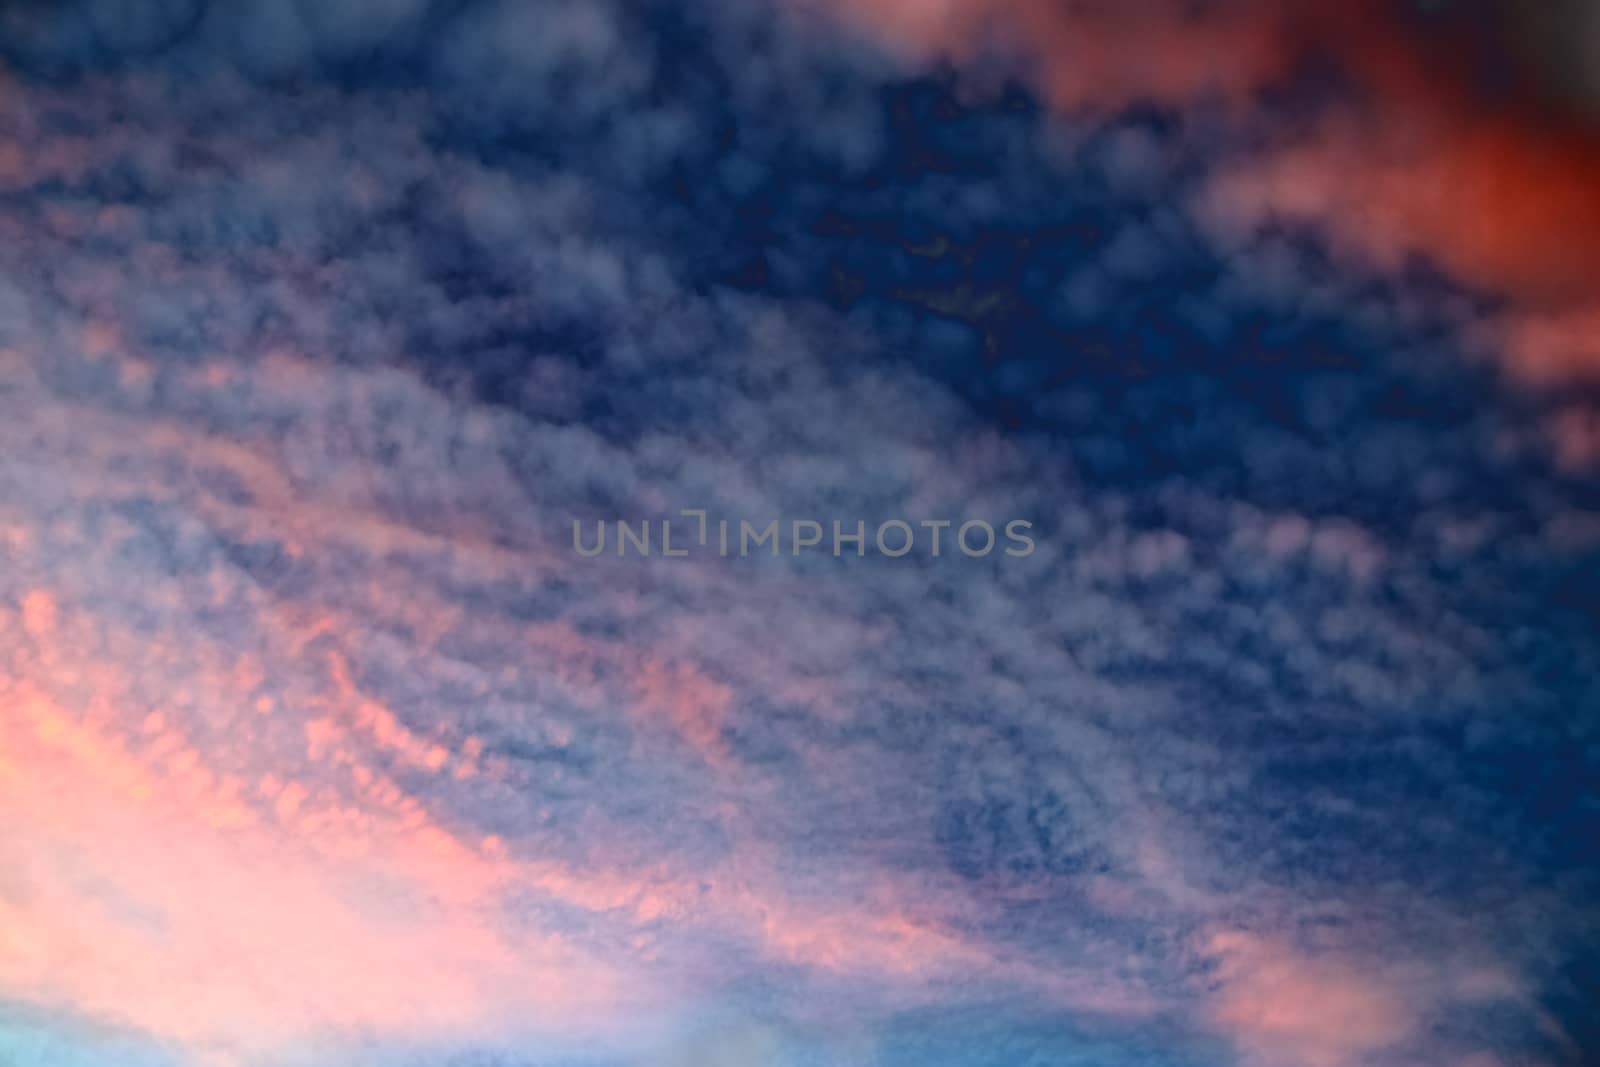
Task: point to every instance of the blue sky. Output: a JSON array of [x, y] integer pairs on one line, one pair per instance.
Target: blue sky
[[321, 325]]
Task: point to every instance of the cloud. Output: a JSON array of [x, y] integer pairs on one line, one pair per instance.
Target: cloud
[[1279, 1004], [1402, 153], [318, 736]]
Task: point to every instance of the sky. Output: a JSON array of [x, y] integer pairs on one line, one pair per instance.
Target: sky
[[331, 333]]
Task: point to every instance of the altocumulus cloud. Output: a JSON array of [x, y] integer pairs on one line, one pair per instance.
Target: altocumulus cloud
[[319, 325]]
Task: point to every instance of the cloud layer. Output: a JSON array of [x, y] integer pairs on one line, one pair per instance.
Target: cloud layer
[[1462, 134], [320, 325]]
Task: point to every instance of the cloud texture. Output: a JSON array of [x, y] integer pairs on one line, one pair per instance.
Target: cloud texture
[[1460, 133], [320, 324]]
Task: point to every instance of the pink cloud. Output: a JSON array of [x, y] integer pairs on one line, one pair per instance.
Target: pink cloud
[[1100, 55], [236, 893], [153, 891], [1281, 1004]]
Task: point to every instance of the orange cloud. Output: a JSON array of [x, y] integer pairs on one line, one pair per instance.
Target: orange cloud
[[1501, 190], [1491, 202]]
